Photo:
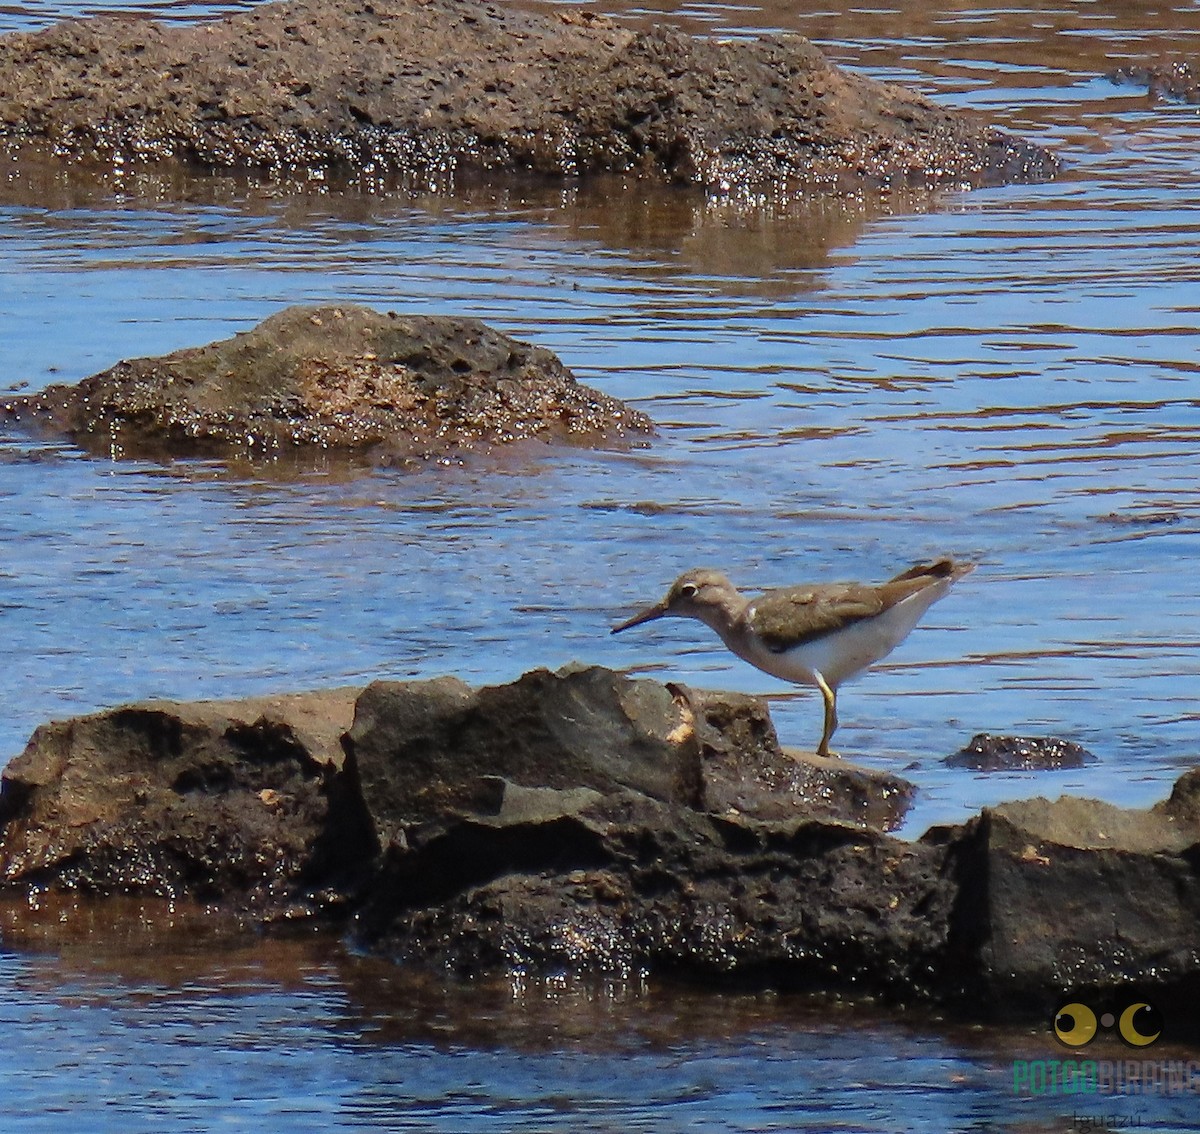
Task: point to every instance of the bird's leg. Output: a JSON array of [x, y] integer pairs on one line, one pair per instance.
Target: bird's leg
[[831, 721]]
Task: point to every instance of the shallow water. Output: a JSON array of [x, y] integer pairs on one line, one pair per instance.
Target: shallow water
[[152, 1033], [842, 387]]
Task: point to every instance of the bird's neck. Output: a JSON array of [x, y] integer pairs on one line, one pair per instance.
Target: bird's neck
[[726, 617]]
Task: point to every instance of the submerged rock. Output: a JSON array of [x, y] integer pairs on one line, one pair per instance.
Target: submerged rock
[[583, 821], [343, 379], [1175, 81], [989, 753], [434, 88]]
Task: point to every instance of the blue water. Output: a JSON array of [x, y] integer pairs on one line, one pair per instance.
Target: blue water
[[297, 1036], [842, 388]]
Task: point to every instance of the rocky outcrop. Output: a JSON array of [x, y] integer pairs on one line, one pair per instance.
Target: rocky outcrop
[[1078, 894], [241, 803], [297, 805], [433, 89], [577, 821], [583, 821], [321, 380]]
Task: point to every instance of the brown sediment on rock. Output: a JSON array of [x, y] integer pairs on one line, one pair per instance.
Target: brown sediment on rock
[[334, 379], [586, 822], [437, 88]]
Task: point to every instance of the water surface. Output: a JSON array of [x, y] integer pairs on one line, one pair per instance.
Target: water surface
[[150, 1033], [842, 387]]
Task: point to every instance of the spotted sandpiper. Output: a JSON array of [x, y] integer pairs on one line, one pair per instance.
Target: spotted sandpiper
[[812, 635]]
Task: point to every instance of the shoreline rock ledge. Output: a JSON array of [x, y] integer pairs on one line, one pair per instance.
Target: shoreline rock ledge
[[435, 89], [346, 379], [585, 821]]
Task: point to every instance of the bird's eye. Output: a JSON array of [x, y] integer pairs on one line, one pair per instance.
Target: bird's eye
[[688, 590]]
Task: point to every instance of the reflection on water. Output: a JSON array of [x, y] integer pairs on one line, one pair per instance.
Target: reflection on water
[[145, 1033], [843, 387]]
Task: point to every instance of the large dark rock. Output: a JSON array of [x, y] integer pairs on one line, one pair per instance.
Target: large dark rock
[[421, 749], [434, 88], [586, 821], [241, 803], [330, 379], [251, 805], [1075, 893], [554, 881]]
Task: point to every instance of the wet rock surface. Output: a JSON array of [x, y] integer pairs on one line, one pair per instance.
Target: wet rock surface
[[439, 88], [346, 379], [1076, 893], [1174, 81], [989, 753], [239, 803], [582, 821]]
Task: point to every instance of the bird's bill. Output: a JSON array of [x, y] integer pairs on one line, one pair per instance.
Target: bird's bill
[[648, 615]]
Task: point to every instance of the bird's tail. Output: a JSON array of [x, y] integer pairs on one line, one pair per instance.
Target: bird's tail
[[942, 568]]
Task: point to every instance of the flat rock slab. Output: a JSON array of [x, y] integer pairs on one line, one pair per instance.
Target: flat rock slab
[[434, 88], [403, 389]]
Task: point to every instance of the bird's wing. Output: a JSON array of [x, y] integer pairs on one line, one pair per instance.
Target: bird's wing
[[943, 568], [795, 615]]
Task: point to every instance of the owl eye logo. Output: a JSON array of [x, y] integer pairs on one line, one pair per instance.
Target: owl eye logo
[[1139, 1024], [1077, 1022]]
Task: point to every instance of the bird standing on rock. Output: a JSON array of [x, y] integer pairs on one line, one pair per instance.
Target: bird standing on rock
[[811, 635]]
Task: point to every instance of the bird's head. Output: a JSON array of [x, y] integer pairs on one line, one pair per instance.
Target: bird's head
[[700, 594]]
